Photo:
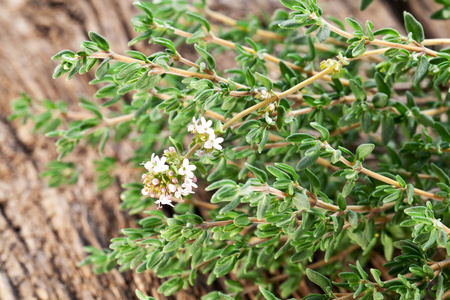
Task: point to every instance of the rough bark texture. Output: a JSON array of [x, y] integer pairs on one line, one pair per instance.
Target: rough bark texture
[[42, 231]]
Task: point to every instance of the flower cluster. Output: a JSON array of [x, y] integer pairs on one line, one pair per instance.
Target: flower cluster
[[205, 135], [331, 63], [168, 176]]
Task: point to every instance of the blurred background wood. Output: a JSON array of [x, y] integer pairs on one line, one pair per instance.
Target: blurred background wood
[[42, 230]]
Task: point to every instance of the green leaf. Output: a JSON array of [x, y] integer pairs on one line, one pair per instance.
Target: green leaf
[[101, 42], [342, 203], [354, 24], [352, 218], [171, 286], [288, 169], [442, 131], [127, 69], [386, 31], [421, 70], [91, 107], [225, 297], [287, 71], [323, 33], [146, 82], [442, 14], [440, 287], [62, 53], [365, 4], [416, 211], [260, 174], [224, 265], [364, 150], [298, 137], [380, 100], [369, 30], [250, 76], [102, 69], [308, 159], [248, 125], [105, 137], [301, 201], [145, 8], [268, 295], [277, 172], [320, 280], [264, 140], [198, 243], [414, 27], [291, 3], [291, 24], [266, 82], [400, 181], [314, 181], [360, 48], [199, 19], [221, 183], [242, 220], [441, 174], [176, 144], [361, 271], [410, 193], [302, 255], [210, 61], [263, 207], [382, 86], [387, 129], [174, 245], [323, 131], [357, 90], [125, 89], [136, 54], [166, 43]]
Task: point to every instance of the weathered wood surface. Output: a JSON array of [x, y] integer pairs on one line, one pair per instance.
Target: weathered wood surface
[[42, 231]]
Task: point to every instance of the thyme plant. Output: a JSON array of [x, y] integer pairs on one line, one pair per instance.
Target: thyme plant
[[324, 150]]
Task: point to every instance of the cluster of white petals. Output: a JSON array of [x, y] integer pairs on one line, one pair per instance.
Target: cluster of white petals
[[166, 178], [205, 135]]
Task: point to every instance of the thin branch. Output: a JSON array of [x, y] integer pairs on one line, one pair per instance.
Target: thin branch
[[383, 43], [307, 81], [435, 42], [321, 204], [384, 178], [250, 110], [219, 41], [158, 69]]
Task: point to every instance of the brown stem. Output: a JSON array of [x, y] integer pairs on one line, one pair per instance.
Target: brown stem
[[384, 178], [216, 40], [383, 43]]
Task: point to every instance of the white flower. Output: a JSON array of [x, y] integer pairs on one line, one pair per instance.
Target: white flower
[[213, 142], [163, 200], [210, 131], [200, 153], [172, 188], [144, 192], [205, 126], [192, 127], [180, 192], [160, 165], [186, 169], [149, 164], [263, 93], [189, 184], [187, 189]]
